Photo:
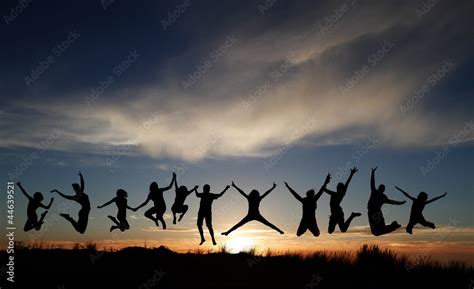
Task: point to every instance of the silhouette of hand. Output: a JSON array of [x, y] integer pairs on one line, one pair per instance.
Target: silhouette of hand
[[18, 184], [328, 179], [54, 191], [354, 170], [174, 175], [403, 202], [227, 187], [80, 174], [286, 184], [196, 187], [444, 194], [99, 207], [274, 185], [374, 169], [233, 184]]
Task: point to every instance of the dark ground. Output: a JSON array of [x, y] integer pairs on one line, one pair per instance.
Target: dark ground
[[161, 268]]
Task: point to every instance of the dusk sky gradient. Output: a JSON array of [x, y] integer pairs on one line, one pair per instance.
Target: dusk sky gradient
[[255, 92]]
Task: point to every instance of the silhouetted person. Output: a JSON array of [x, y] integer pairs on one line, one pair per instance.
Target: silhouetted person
[[376, 201], [34, 203], [308, 221], [253, 214], [337, 214], [205, 211], [159, 207], [83, 199], [121, 202], [416, 214], [181, 194]]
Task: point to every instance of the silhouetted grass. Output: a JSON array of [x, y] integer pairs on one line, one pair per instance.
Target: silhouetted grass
[[370, 267]]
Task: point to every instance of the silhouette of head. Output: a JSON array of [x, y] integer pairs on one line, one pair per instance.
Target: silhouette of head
[[254, 194], [206, 188], [340, 187], [381, 188], [422, 196], [182, 190], [38, 196], [310, 193], [122, 193], [76, 188], [154, 186]]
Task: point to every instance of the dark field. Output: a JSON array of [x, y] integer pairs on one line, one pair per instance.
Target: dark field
[[138, 267]]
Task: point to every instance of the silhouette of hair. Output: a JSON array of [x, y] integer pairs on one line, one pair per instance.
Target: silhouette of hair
[[422, 196], [254, 194], [38, 196], [183, 189], [206, 188], [153, 186], [121, 193], [310, 193], [382, 188], [340, 187], [76, 187]]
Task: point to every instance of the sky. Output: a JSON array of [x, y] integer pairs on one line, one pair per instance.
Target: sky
[[255, 92]]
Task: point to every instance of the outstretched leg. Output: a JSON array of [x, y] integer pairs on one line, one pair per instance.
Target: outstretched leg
[[40, 222], [211, 230], [264, 221], [425, 223], [70, 220], [345, 225], [200, 220], [387, 229], [245, 220], [149, 214], [185, 209]]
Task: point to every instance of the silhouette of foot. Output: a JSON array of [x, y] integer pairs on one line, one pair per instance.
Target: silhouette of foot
[[214, 242], [409, 230], [432, 226], [112, 228], [225, 233], [281, 232], [164, 226], [356, 214], [174, 221], [180, 217], [396, 224], [202, 242], [156, 223]]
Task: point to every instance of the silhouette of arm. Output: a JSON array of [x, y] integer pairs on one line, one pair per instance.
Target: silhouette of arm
[[81, 181], [175, 184], [269, 191], [171, 183], [48, 206], [144, 203], [353, 171], [63, 195], [393, 202], [323, 187], [372, 180], [405, 193], [239, 190], [198, 194], [435, 199], [193, 190], [24, 191], [108, 203], [295, 194], [329, 191], [223, 192]]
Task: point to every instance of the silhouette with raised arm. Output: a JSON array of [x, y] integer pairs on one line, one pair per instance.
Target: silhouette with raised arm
[[83, 199], [337, 214], [253, 214], [159, 207], [416, 214], [34, 203], [205, 210], [181, 194], [121, 202], [374, 207], [308, 221]]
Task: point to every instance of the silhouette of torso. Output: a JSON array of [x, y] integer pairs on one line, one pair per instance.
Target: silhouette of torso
[[254, 204], [417, 209], [157, 197], [376, 201], [121, 206], [309, 207], [205, 205], [32, 206], [83, 200], [180, 197], [335, 201]]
